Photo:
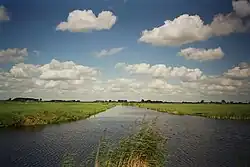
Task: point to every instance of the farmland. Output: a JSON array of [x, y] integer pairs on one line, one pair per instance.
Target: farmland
[[215, 111], [16, 114]]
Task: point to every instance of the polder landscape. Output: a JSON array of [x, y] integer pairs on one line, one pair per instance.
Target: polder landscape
[[145, 145], [124, 83], [29, 112]]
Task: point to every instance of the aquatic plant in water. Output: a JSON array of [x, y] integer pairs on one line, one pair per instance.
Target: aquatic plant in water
[[144, 148]]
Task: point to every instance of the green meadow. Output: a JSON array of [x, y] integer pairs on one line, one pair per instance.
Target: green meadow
[[216, 111], [16, 114]]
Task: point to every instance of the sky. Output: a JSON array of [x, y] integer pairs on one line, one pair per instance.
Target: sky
[[170, 50]]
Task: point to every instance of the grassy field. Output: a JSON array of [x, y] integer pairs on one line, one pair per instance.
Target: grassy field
[[216, 111], [16, 114]]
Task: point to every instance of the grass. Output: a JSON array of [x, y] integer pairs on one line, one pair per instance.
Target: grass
[[215, 111], [17, 114], [144, 147]]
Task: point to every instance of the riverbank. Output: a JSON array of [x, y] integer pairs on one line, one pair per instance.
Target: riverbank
[[215, 111], [17, 114]]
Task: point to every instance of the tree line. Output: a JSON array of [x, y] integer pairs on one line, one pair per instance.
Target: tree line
[[22, 99]]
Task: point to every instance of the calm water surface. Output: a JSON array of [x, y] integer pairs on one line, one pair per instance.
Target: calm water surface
[[193, 141]]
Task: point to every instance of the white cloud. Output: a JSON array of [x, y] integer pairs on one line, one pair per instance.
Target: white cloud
[[221, 81], [218, 86], [241, 7], [55, 70], [3, 14], [82, 21], [148, 82], [22, 70], [226, 24], [186, 74], [191, 28], [182, 30], [202, 54], [13, 55], [109, 52], [160, 84], [68, 70], [241, 71], [53, 80], [162, 71]]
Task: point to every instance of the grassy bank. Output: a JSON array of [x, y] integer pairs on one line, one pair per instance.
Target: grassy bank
[[16, 114], [216, 111]]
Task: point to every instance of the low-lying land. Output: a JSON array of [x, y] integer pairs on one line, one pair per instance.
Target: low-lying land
[[216, 111], [16, 114]]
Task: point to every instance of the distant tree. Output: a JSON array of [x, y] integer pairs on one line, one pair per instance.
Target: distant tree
[[142, 100], [40, 99], [202, 101], [223, 101], [9, 99]]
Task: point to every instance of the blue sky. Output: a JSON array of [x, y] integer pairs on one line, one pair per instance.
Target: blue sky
[[32, 24]]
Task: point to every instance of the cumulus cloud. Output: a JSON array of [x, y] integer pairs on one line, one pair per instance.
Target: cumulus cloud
[[241, 71], [217, 85], [53, 80], [68, 80], [226, 24], [3, 14], [122, 85], [160, 84], [13, 55], [182, 30], [191, 28], [221, 81], [192, 82], [162, 71], [108, 52], [202, 54], [241, 7], [55, 70], [22, 70], [86, 20]]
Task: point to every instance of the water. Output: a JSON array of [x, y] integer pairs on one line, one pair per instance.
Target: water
[[193, 141]]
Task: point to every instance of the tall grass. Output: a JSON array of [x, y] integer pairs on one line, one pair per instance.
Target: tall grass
[[144, 148]]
